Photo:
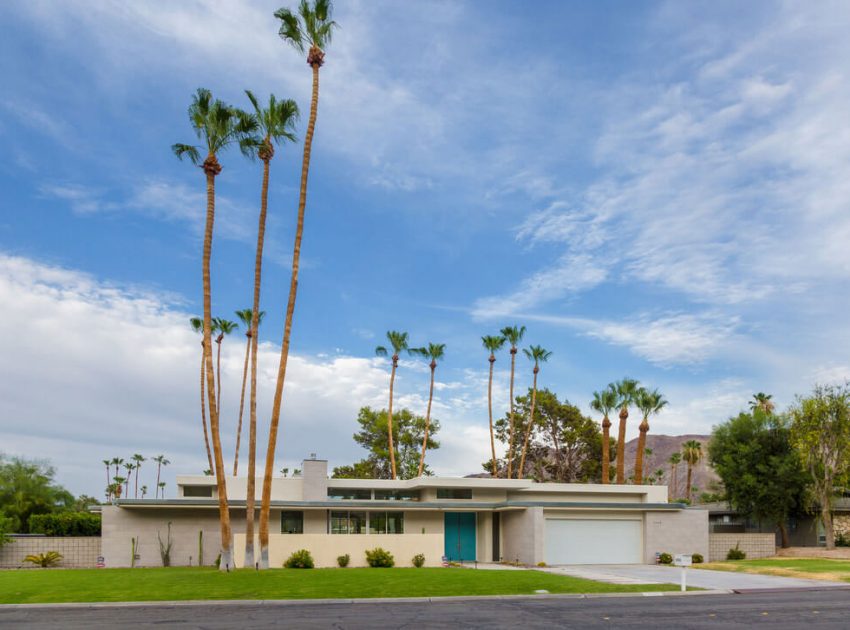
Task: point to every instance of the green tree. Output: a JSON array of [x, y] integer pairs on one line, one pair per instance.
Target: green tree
[[434, 352], [492, 344], [28, 487], [759, 467], [225, 327], [408, 433], [138, 459], [5, 529], [398, 344], [218, 126], [310, 28], [692, 455], [820, 432], [514, 335], [605, 402], [197, 324], [160, 462], [538, 355], [627, 390], [564, 446], [649, 403]]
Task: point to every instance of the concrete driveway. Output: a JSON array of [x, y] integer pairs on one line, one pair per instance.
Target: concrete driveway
[[655, 574]]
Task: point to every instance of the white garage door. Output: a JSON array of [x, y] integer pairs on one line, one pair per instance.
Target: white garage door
[[579, 541]]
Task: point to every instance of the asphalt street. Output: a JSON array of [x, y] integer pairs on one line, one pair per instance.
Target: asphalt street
[[786, 609]]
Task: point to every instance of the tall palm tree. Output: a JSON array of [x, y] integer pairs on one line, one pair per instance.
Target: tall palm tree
[[144, 490], [117, 462], [138, 459], [311, 28], [434, 352], [275, 125], [197, 324], [626, 393], [514, 335], [161, 488], [246, 316], [399, 344], [129, 467], [692, 454], [492, 344], [118, 486], [218, 126], [762, 401], [649, 403], [538, 355], [674, 461], [160, 462], [605, 402], [225, 327], [107, 463]]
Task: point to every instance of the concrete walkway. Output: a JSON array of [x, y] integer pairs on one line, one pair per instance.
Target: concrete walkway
[[657, 574]]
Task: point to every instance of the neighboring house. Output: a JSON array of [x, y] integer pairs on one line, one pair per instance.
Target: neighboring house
[[461, 519], [804, 529]]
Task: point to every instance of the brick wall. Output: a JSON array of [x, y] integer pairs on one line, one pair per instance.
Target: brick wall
[[680, 531], [78, 552], [755, 545]]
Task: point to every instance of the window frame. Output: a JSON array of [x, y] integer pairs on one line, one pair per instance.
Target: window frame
[[284, 513]]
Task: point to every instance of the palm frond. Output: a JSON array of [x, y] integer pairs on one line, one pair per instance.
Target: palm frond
[[381, 351], [186, 150], [290, 29]]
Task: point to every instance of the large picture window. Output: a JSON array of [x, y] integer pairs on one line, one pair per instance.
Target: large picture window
[[396, 495], [356, 494], [198, 491], [386, 522], [291, 522]]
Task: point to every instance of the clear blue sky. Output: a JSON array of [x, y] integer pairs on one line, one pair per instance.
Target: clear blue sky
[[654, 189]]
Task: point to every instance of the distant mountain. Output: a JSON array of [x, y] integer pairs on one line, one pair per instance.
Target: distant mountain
[[663, 446]]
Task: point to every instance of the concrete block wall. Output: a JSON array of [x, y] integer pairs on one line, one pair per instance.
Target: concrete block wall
[[755, 545], [682, 531], [522, 535], [78, 552]]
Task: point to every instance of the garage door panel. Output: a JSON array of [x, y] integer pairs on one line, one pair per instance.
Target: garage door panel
[[593, 541]]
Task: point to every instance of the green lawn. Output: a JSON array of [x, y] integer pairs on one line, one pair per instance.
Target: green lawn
[[812, 568], [105, 585]]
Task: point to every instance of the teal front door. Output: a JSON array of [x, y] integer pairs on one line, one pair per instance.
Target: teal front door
[[460, 536]]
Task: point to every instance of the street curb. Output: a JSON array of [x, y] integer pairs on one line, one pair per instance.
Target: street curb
[[363, 600]]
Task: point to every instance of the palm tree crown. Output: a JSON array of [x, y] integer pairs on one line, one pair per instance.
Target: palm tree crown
[[433, 351], [217, 125], [398, 343], [275, 125], [649, 402], [225, 326], [605, 402], [538, 355], [245, 316], [762, 401], [493, 343], [513, 335], [310, 28]]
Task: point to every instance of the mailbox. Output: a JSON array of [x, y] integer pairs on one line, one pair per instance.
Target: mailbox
[[682, 560]]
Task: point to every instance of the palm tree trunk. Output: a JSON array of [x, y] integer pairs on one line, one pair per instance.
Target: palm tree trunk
[[621, 446], [427, 421], [136, 488], [390, 420], [519, 472], [783, 535], [218, 376], [672, 487], [688, 490], [510, 455], [204, 415], [606, 450], [287, 329], [642, 429], [221, 484], [252, 421], [158, 469], [241, 408], [490, 410], [108, 493]]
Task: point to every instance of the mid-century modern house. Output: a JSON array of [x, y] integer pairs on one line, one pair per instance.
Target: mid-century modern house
[[462, 519]]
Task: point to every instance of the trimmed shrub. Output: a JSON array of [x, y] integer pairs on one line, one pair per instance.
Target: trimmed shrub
[[44, 560], [697, 558], [65, 524], [343, 561], [300, 559], [665, 558], [736, 553], [541, 564], [418, 560], [378, 557]]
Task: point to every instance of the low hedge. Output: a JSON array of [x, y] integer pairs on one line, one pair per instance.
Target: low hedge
[[65, 524]]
